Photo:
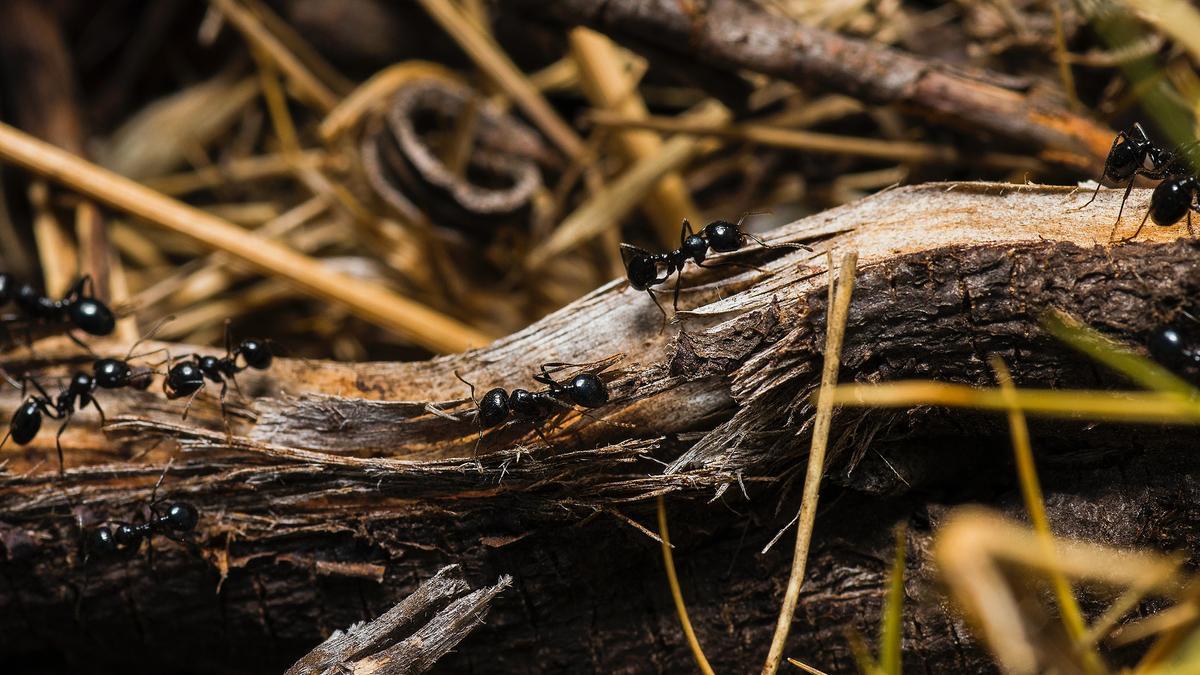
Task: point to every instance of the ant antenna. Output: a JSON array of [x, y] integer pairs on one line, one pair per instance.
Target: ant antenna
[[150, 334], [461, 379], [163, 475], [478, 422]]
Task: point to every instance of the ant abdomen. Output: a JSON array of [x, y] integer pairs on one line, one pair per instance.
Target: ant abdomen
[[642, 271], [26, 422], [92, 317], [1168, 347], [1171, 200], [588, 390], [181, 517]]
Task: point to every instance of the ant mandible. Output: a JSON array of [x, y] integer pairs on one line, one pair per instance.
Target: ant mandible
[[586, 390], [107, 373], [79, 306], [187, 377], [178, 519], [645, 270]]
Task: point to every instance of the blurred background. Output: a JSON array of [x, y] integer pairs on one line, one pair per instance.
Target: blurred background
[[484, 159]]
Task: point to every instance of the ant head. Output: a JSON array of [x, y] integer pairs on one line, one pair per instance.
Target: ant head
[[493, 407], [26, 421], [256, 352], [723, 236], [101, 541], [695, 247], [182, 517], [81, 383], [111, 373], [1171, 199], [92, 317], [588, 390], [183, 379], [642, 271]]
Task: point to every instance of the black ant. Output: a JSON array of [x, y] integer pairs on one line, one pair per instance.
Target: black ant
[[645, 269], [107, 373], [1132, 154], [497, 406], [1168, 347], [178, 519], [187, 377], [78, 307]]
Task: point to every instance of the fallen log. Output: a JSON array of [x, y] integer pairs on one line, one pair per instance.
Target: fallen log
[[342, 486]]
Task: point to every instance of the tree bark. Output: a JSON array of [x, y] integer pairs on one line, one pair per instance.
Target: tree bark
[[343, 486], [736, 35]]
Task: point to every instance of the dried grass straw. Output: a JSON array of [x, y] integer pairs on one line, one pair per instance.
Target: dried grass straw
[[839, 309]]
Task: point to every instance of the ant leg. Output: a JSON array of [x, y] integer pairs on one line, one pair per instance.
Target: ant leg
[[74, 338], [660, 308], [1128, 189], [62, 468], [475, 450], [1096, 192], [675, 300], [1139, 230], [191, 398], [103, 419], [37, 385], [538, 430], [224, 416], [237, 387]]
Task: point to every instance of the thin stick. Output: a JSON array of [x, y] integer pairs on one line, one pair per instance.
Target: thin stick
[[56, 251], [621, 195], [412, 320], [312, 89], [1115, 406], [607, 86], [1031, 491], [835, 330], [493, 61], [676, 594], [237, 171], [796, 139]]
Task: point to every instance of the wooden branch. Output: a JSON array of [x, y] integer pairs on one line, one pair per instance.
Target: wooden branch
[[344, 485], [379, 648], [740, 35]]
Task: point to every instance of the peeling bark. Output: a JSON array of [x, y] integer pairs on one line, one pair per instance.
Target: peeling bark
[[345, 485]]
